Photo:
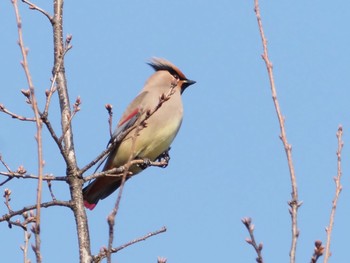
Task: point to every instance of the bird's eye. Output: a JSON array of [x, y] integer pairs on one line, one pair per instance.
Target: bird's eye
[[176, 76]]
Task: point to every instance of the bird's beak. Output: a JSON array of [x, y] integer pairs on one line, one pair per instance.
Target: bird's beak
[[186, 83], [189, 82]]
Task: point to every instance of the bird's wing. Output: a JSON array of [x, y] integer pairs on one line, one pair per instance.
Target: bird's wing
[[130, 116]]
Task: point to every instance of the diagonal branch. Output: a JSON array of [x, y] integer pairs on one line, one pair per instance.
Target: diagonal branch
[[294, 203], [247, 221], [338, 189], [35, 7], [103, 253], [14, 115]]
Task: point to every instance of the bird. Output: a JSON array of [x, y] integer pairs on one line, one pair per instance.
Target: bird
[[155, 137]]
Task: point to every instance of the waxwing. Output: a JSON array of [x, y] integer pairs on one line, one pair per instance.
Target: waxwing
[[155, 138]]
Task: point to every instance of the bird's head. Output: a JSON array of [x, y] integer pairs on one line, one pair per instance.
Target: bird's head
[[168, 71]]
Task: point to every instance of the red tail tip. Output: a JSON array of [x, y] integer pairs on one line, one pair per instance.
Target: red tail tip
[[88, 205]]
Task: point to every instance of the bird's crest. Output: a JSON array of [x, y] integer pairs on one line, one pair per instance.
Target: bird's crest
[[162, 64]]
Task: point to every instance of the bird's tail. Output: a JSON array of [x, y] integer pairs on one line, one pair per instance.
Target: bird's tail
[[99, 189]]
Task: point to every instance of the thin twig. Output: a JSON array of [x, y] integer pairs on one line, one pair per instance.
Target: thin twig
[[14, 115], [113, 214], [38, 122], [337, 193], [7, 196], [24, 248], [49, 185], [5, 164], [103, 253], [53, 88], [29, 218], [294, 203], [35, 177], [35, 7], [8, 216], [76, 108], [140, 124], [247, 221]]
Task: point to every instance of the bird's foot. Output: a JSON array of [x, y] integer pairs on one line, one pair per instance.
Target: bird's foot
[[146, 163], [164, 158]]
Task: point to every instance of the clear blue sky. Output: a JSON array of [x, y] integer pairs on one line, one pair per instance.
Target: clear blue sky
[[227, 161]]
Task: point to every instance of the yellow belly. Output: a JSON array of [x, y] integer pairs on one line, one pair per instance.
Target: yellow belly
[[150, 143]]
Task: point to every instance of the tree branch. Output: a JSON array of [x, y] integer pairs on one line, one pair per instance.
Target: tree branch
[[34, 104], [14, 115], [118, 172], [35, 7], [338, 189], [247, 221], [9, 215], [103, 253], [74, 180], [294, 203]]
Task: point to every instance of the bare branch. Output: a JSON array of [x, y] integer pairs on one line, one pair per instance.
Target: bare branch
[[76, 108], [118, 172], [103, 253], [38, 122], [30, 176], [338, 189], [247, 221], [8, 216], [294, 203], [53, 88], [112, 215], [14, 115], [49, 185], [11, 174], [5, 164], [35, 7], [68, 151], [7, 196]]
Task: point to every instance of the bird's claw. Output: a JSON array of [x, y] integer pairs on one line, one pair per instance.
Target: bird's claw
[[146, 163], [164, 157]]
